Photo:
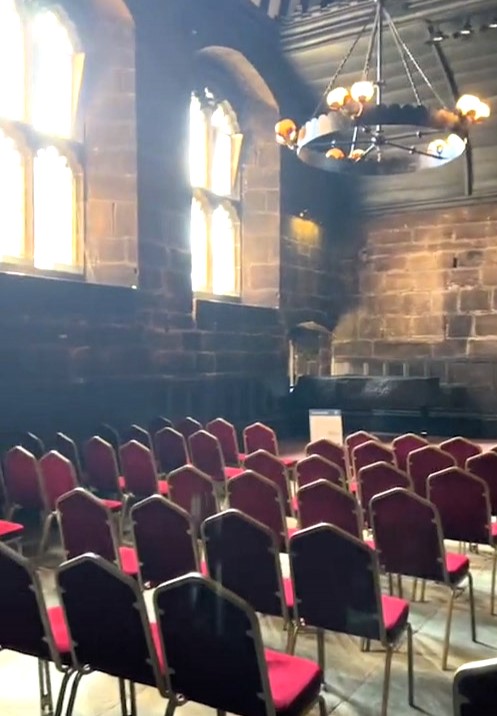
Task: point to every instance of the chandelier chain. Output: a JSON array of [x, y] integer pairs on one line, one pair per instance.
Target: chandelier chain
[[367, 63], [405, 64]]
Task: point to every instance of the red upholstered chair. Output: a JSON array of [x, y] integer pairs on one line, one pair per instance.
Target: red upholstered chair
[[109, 628], [170, 450], [474, 688], [261, 437], [409, 539], [342, 593], [33, 444], [376, 478], [461, 449], [140, 475], [242, 555], [86, 526], [333, 452], [355, 439], [463, 503], [206, 455], [484, 466], [22, 482], [316, 467], [404, 444], [111, 436], [164, 538], [57, 477], [322, 501], [226, 434], [421, 463], [11, 533], [68, 448], [261, 499], [28, 627], [194, 492], [187, 427], [158, 423], [215, 653], [102, 471], [368, 453], [268, 465], [140, 435]]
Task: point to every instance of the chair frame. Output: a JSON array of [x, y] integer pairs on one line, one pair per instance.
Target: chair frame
[[50, 514], [313, 456], [483, 667], [360, 478], [433, 448], [349, 496], [228, 426], [387, 645], [285, 471], [453, 588], [460, 439]]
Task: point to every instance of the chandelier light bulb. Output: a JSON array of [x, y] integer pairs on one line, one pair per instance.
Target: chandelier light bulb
[[286, 131], [362, 91], [337, 98], [484, 110], [356, 154], [335, 153], [437, 147], [472, 107]]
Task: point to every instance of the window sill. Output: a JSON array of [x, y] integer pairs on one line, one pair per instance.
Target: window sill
[[214, 314]]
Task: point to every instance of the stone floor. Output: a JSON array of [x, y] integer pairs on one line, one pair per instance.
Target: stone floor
[[354, 678]]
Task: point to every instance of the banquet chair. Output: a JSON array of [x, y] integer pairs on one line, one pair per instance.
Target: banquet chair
[[102, 469], [261, 499], [404, 444], [226, 434], [463, 503], [352, 441], [188, 426], [331, 451], [11, 534], [110, 435], [342, 594], [164, 539], [22, 482], [474, 688], [242, 555], [461, 449], [68, 448], [273, 468], [139, 435], [28, 627], [370, 452], [409, 540], [316, 467], [57, 477], [258, 436], [86, 526], [194, 492], [484, 466], [206, 455], [214, 650], [421, 463], [322, 501], [109, 630], [33, 444], [376, 478], [140, 474], [158, 423], [170, 450]]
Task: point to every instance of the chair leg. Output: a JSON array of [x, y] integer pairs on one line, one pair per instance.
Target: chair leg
[[410, 666], [414, 589], [74, 691], [45, 534], [386, 680], [447, 630], [290, 627], [492, 589], [46, 701], [293, 641], [472, 606], [423, 589], [399, 585], [171, 707], [390, 584], [323, 711], [59, 708], [321, 651]]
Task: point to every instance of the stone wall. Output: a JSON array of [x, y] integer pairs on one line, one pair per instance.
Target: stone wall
[[427, 301]]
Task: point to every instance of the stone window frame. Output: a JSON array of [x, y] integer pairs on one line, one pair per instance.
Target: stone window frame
[[28, 141]]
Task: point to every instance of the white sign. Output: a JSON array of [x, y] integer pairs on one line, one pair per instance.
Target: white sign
[[326, 424]]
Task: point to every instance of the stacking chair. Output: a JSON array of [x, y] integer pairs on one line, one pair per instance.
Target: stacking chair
[[111, 436], [409, 540], [463, 503], [109, 630], [11, 533], [322, 501], [22, 482], [368, 453], [138, 434], [273, 468], [140, 475], [474, 688], [164, 539], [316, 467], [242, 555], [215, 654], [355, 439], [158, 423], [86, 526], [102, 471], [194, 492], [404, 444], [376, 478], [28, 627], [57, 478], [333, 452], [342, 593], [226, 434], [484, 466], [421, 463], [205, 452], [261, 499], [461, 449], [33, 444], [68, 448], [261, 437], [170, 450], [187, 427]]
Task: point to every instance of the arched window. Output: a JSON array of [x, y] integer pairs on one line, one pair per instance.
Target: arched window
[[214, 150], [40, 178]]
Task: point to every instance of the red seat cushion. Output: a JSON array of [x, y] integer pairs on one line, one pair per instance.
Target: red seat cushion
[[291, 531], [457, 566], [288, 590], [370, 543], [154, 630], [242, 456], [395, 615], [129, 561], [294, 682], [295, 504], [203, 568], [233, 471], [494, 530], [113, 505], [288, 461], [353, 486], [9, 530], [59, 629], [163, 487], [121, 482]]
